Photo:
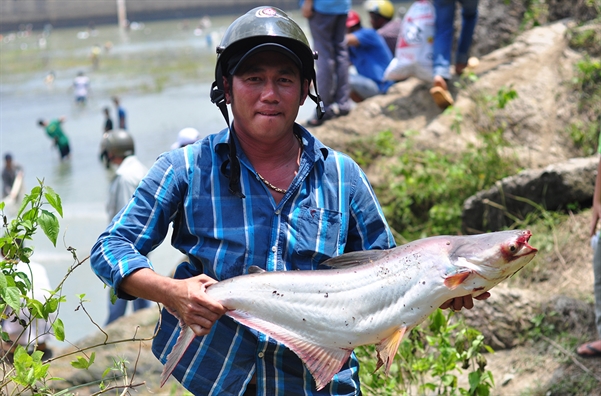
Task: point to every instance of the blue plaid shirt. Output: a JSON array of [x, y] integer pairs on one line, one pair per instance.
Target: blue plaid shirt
[[330, 208]]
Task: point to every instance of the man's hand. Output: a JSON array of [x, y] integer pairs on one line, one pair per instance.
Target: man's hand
[[463, 302], [185, 298], [191, 304]]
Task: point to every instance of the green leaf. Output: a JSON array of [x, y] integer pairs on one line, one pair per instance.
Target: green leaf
[[113, 296], [82, 363], [5, 336], [54, 200], [12, 296], [51, 305], [49, 224], [106, 372], [30, 378], [449, 380], [41, 371], [3, 283], [59, 329], [437, 321], [36, 308], [474, 380]]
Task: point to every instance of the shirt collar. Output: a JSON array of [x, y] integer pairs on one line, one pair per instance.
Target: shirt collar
[[310, 143]]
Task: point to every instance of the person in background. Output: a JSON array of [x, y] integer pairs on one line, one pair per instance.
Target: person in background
[[370, 56], [108, 126], [108, 122], [81, 86], [262, 192], [443, 43], [120, 152], [95, 52], [185, 137], [593, 348], [327, 24], [120, 113], [381, 14], [55, 131], [10, 173]]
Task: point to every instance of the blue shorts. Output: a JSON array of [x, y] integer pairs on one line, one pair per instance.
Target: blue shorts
[[364, 87]]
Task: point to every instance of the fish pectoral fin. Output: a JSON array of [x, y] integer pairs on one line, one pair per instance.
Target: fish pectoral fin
[[185, 338], [253, 269], [322, 362], [388, 347], [454, 280]]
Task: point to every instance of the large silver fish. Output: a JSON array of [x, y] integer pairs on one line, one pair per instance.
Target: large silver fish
[[369, 297]]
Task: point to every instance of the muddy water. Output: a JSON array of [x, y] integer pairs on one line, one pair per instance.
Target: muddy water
[[158, 104]]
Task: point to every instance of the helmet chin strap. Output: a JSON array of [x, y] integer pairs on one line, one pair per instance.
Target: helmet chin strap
[[321, 108], [233, 173]]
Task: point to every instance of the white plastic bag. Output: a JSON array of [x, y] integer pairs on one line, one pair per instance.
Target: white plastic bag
[[413, 53]]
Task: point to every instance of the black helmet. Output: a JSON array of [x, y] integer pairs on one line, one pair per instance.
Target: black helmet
[[260, 26], [119, 143], [263, 28]]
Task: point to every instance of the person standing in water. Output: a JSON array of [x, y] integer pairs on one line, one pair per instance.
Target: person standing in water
[[55, 131]]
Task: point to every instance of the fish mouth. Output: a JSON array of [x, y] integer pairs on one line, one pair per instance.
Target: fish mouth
[[524, 247]]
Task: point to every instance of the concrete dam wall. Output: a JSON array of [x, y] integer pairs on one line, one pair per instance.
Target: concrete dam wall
[[60, 13]]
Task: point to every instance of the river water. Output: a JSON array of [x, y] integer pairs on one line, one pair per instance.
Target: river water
[[157, 108], [154, 116]]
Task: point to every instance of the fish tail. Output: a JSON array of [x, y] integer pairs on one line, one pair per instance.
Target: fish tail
[[186, 336]]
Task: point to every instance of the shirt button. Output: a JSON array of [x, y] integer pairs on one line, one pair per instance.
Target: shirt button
[[261, 354], [274, 249]]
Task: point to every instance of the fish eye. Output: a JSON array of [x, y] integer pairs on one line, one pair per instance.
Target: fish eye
[[512, 248]]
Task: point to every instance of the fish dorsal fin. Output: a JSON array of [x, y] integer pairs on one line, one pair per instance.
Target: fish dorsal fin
[[454, 280], [388, 347], [353, 259], [253, 269], [322, 362], [185, 338]]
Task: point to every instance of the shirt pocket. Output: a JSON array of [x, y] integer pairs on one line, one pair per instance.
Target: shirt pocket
[[319, 234]]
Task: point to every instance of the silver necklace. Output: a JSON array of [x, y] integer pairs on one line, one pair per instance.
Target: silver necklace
[[275, 188]]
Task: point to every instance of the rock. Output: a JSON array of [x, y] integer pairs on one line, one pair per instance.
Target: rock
[[569, 314], [552, 188], [503, 317]]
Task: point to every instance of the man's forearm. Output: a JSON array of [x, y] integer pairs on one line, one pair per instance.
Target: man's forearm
[[147, 284]]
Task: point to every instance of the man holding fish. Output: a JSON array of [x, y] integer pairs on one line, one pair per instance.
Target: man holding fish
[[261, 193]]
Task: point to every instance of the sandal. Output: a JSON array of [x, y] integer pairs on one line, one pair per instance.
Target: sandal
[[592, 352], [441, 97]]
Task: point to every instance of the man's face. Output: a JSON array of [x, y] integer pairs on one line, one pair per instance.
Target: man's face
[[265, 95], [376, 20]]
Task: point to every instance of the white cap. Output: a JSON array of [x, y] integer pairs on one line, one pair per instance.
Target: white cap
[[186, 136]]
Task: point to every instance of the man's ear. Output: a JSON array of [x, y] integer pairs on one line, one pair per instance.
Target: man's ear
[[227, 90]]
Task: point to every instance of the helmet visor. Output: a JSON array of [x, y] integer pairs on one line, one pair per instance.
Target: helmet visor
[[235, 62]]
